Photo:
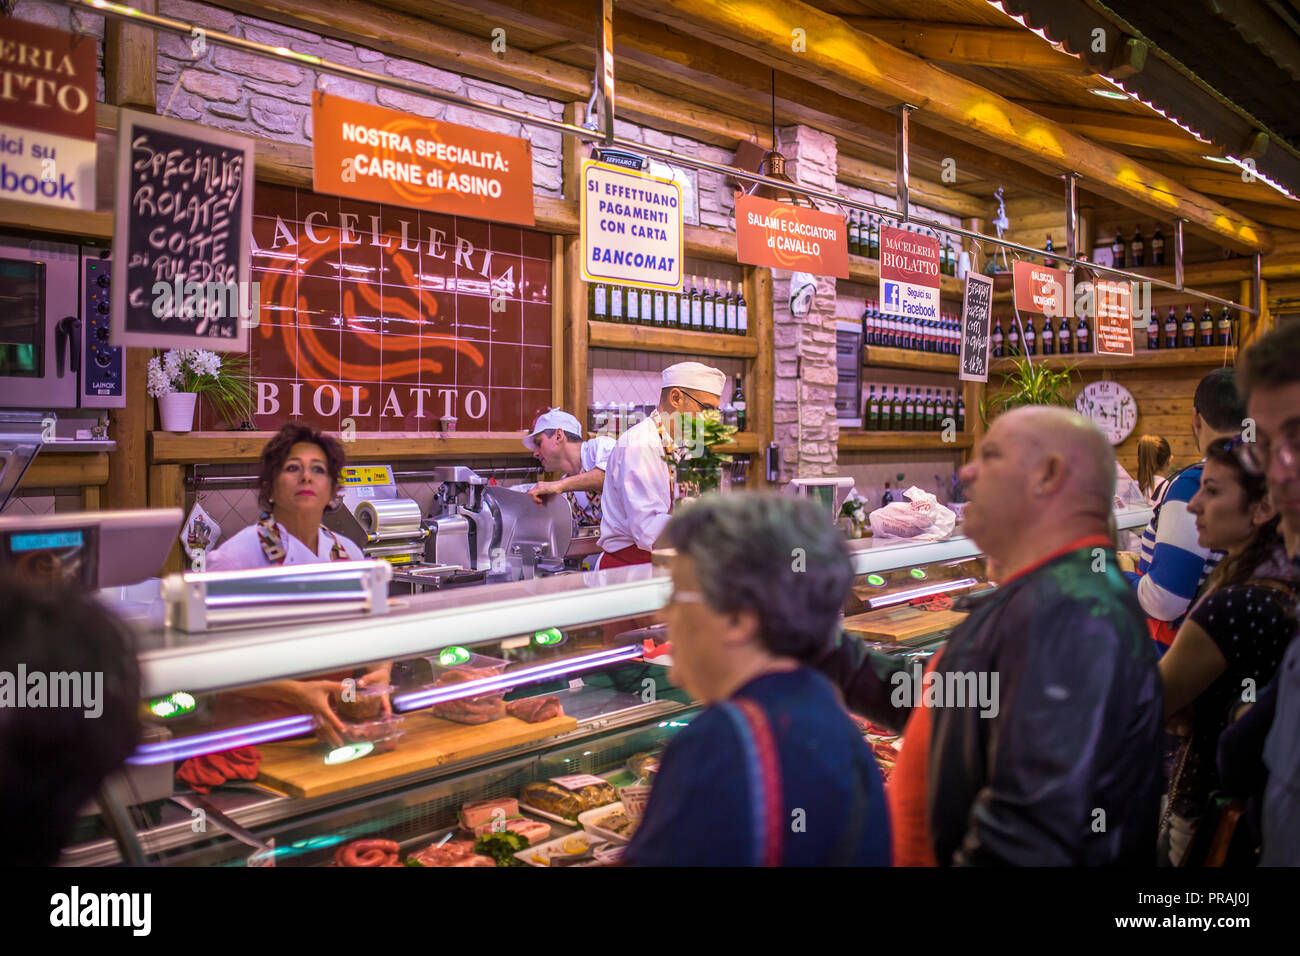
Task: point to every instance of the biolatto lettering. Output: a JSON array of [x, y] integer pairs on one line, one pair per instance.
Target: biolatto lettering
[[910, 263]]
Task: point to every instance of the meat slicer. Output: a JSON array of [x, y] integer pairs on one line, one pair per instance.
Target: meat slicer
[[475, 525]]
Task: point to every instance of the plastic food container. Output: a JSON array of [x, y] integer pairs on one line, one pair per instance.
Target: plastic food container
[[590, 820], [577, 849], [480, 708], [367, 702], [383, 732]]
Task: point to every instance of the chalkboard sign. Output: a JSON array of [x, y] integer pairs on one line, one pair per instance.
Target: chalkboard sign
[[180, 242], [977, 311]]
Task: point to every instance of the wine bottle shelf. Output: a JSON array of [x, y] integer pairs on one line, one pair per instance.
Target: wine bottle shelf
[[880, 356], [902, 441], [614, 335], [1163, 358]]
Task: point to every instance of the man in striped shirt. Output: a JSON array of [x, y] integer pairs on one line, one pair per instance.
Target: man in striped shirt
[[1173, 564]]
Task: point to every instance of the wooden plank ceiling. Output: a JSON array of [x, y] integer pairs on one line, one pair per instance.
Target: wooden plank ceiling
[[662, 51]]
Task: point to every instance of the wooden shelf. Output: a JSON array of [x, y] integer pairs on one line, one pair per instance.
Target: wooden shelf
[[232, 447], [880, 356], [862, 269], [66, 470], [614, 335], [743, 443], [1163, 358], [902, 441]]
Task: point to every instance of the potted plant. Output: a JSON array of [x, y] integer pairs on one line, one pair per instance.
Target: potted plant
[[179, 376], [1028, 384], [702, 470], [854, 513]]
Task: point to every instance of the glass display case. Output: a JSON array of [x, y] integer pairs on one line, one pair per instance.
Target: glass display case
[[493, 695]]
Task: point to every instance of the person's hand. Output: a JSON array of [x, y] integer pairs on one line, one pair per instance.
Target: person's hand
[[313, 696], [543, 490], [1128, 561], [382, 674]]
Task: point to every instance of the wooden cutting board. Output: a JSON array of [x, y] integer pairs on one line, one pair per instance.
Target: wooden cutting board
[[901, 623], [297, 767]]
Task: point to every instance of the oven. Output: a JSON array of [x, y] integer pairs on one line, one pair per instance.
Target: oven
[[54, 327]]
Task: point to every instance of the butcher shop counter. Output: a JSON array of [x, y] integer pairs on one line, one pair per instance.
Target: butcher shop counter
[[490, 690]]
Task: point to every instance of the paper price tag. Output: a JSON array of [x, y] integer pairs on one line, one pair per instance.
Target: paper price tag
[[634, 800], [577, 781]]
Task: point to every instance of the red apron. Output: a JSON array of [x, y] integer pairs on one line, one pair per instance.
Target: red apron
[[624, 557]]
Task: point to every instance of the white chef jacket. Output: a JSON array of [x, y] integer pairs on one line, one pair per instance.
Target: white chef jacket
[[637, 497], [243, 551], [594, 454]]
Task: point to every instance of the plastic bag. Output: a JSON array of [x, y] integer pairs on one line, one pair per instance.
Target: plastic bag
[[920, 518]]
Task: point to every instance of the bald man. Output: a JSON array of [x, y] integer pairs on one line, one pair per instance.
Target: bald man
[[1034, 737]]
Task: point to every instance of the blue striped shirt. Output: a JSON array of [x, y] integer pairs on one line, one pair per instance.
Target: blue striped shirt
[[1173, 564]]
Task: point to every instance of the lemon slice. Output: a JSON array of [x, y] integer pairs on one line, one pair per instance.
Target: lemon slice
[[574, 845]]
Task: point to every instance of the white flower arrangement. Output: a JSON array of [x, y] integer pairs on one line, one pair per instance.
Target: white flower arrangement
[[180, 370], [226, 383]]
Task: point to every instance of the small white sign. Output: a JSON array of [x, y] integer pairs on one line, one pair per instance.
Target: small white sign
[[631, 227], [37, 166]]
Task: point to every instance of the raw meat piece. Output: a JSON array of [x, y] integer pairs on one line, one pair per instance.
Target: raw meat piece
[[535, 709], [475, 710], [455, 853], [476, 814]]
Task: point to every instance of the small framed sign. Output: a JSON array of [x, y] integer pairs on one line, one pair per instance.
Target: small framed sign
[[977, 313], [181, 236]]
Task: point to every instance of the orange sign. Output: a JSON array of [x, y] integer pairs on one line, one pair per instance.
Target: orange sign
[[1114, 306], [784, 236], [381, 155], [1039, 289]]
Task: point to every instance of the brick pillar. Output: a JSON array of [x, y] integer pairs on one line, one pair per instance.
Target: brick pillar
[[804, 394]]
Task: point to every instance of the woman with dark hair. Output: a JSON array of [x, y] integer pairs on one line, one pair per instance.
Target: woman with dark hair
[[1154, 455], [1233, 640], [297, 482], [773, 771]]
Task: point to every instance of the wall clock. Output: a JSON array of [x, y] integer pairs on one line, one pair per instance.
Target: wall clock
[[1111, 407]]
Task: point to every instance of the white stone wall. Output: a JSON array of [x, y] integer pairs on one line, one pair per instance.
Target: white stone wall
[[804, 388], [246, 93]]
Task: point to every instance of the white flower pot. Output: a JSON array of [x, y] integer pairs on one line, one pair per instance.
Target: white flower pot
[[177, 409]]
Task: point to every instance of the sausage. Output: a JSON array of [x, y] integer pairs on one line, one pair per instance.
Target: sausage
[[366, 853]]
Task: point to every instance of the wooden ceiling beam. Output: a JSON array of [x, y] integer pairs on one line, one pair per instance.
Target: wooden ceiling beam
[[1227, 183], [868, 175], [1122, 129], [847, 60], [1279, 217], [999, 48], [405, 36]]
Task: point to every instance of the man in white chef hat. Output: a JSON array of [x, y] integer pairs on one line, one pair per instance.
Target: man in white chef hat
[[638, 494], [556, 442]]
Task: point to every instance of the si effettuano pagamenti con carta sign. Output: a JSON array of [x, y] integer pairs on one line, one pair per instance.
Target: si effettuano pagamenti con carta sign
[[631, 227]]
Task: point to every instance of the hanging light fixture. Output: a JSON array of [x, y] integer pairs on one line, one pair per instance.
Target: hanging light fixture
[[773, 166]]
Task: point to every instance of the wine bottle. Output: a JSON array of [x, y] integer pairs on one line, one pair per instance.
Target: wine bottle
[[1157, 248], [661, 308], [873, 411], [1225, 327], [873, 239], [1117, 250], [1171, 329], [742, 311], [697, 306], [733, 327], [672, 307], [929, 410], [1153, 328], [633, 306], [909, 412], [1031, 338], [961, 414], [1013, 339], [1048, 260], [997, 339], [709, 302], [896, 416], [616, 313], [599, 302], [1138, 248], [1207, 328], [1048, 338], [1188, 337], [1083, 337], [855, 235], [738, 403], [647, 307], [1064, 340]]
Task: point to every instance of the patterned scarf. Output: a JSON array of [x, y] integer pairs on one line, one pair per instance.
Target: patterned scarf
[[268, 536]]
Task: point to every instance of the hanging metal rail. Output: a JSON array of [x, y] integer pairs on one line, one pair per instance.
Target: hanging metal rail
[[127, 14]]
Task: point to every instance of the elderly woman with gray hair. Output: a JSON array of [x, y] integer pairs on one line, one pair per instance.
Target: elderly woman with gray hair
[[772, 772]]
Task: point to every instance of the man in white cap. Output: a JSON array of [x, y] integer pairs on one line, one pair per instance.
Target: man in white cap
[[638, 494], [556, 441]]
